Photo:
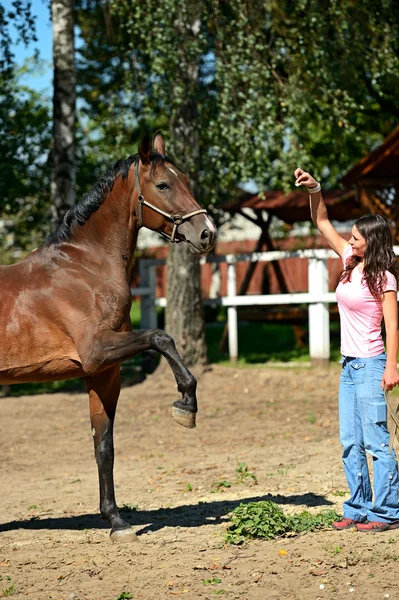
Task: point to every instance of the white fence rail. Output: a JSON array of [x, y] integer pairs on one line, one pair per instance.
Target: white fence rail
[[317, 297]]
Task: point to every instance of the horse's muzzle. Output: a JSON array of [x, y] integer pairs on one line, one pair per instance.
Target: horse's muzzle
[[200, 234]]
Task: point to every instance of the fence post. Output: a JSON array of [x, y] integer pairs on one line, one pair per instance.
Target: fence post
[[232, 310], [148, 314], [319, 318]]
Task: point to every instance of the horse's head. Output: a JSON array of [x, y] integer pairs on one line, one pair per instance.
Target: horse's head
[[164, 201]]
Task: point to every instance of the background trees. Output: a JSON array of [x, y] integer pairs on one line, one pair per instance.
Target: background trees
[[24, 139]]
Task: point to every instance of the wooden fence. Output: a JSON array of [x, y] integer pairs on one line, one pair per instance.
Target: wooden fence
[[317, 298]]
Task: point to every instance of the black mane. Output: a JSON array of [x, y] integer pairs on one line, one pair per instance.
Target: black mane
[[91, 202]]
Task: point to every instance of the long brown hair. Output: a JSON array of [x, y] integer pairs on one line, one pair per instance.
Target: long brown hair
[[379, 256]]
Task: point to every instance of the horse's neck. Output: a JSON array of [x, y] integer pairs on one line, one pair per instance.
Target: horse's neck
[[112, 230]]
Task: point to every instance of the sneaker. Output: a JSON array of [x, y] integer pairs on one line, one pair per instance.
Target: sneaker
[[344, 523], [376, 526]]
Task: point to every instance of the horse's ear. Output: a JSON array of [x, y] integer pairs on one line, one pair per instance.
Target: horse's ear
[[145, 150], [158, 143]]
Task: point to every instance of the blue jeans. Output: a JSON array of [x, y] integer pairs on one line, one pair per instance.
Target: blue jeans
[[363, 428]]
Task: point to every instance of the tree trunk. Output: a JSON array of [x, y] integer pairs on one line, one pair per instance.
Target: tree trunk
[[63, 168], [184, 314], [184, 317]]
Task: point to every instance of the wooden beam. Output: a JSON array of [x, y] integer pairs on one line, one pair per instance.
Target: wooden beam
[[378, 183]]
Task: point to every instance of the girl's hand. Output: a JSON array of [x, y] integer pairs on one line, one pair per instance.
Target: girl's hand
[[390, 378], [303, 178]]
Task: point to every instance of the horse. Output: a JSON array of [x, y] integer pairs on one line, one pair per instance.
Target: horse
[[65, 308]]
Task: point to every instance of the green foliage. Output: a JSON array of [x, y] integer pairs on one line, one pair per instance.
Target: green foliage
[[305, 521], [262, 87], [124, 596], [128, 508], [10, 588], [18, 15], [256, 520], [25, 132], [212, 581], [243, 473], [220, 485], [266, 520]]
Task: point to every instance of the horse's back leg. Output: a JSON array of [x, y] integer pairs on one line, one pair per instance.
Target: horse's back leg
[[103, 392]]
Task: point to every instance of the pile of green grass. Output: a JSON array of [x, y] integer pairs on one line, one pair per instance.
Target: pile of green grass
[[266, 520]]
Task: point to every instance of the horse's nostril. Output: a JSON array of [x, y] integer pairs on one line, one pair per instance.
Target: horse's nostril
[[205, 235]]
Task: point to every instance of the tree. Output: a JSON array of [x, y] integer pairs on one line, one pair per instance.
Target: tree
[[25, 134], [184, 319], [21, 18], [24, 141], [63, 167]]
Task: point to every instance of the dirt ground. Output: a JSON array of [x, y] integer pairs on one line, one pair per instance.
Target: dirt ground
[[280, 422]]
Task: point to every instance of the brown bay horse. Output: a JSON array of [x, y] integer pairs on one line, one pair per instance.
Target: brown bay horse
[[64, 309]]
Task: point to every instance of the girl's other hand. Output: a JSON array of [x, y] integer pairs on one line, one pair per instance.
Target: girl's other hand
[[303, 178], [390, 378]]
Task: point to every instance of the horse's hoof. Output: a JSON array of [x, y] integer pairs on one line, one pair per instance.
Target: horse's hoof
[[184, 417], [124, 535]]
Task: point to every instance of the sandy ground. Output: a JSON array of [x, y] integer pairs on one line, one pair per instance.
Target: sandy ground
[[280, 422]]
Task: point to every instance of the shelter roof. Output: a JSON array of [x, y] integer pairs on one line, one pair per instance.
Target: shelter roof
[[380, 164], [294, 206]]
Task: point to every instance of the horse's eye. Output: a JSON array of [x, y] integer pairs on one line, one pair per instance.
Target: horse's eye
[[162, 186]]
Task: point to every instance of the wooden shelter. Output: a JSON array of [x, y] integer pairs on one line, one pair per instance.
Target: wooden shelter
[[376, 181]]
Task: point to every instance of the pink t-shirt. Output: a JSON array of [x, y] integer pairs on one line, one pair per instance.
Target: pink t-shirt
[[360, 314]]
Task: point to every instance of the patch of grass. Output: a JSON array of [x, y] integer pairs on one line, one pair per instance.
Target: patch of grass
[[284, 469], [128, 508], [188, 488], [333, 550], [219, 485], [266, 520], [213, 581], [311, 418], [124, 596], [339, 493], [244, 473], [10, 590]]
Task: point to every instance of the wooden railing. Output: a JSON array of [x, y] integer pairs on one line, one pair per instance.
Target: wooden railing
[[317, 297]]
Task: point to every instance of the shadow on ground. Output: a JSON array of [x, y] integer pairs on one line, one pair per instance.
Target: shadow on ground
[[188, 515]]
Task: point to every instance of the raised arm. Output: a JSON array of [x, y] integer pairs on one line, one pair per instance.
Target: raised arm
[[318, 212]]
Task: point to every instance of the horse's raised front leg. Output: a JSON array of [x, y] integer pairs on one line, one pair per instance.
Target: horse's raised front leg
[[103, 392], [111, 347]]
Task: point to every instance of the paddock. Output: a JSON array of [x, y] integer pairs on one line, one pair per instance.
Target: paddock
[[280, 422]]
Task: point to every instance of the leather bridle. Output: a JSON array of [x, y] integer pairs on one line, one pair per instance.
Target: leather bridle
[[175, 219]]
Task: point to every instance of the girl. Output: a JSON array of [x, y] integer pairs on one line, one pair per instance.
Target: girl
[[367, 291]]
